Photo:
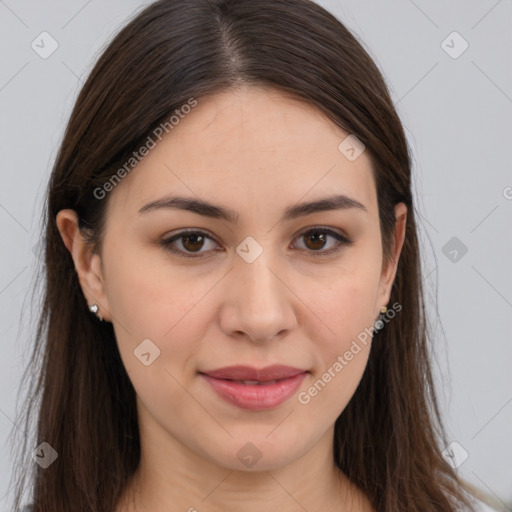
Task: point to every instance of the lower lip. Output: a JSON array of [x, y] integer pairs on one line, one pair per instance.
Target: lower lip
[[256, 396]]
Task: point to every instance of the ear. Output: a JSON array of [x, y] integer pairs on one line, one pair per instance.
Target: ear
[[87, 263], [388, 272]]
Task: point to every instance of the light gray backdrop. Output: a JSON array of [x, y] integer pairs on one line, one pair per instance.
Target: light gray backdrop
[[448, 65]]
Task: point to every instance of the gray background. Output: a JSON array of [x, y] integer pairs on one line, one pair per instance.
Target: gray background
[[457, 114]]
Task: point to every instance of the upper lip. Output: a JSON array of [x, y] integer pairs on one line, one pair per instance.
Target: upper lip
[[242, 372]]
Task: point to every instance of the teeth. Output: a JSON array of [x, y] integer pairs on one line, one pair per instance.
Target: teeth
[[256, 382]]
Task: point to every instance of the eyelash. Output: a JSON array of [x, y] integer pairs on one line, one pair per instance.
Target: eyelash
[[341, 242]]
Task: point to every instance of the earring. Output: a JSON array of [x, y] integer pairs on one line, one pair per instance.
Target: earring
[[379, 324], [94, 309]]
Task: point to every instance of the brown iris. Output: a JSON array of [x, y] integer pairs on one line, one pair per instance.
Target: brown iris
[[197, 240], [318, 238]]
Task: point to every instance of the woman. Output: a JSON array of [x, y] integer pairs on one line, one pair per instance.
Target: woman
[[233, 311]]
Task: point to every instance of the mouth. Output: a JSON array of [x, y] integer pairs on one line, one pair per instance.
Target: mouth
[[256, 394], [249, 374], [255, 382]]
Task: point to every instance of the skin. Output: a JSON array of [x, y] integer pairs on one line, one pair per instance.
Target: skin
[[255, 151]]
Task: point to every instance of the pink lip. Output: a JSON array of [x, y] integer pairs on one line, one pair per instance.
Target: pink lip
[[255, 396], [244, 372]]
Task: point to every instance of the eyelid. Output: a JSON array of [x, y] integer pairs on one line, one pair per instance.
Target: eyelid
[[341, 239], [167, 242]]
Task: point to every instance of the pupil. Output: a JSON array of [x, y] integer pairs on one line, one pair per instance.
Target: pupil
[[318, 237], [193, 237]]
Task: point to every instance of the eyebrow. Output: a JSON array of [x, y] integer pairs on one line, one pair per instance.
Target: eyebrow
[[335, 202]]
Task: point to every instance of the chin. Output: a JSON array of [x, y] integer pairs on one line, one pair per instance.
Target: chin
[[254, 453]]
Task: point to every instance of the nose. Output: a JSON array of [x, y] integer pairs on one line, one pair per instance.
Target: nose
[[258, 303]]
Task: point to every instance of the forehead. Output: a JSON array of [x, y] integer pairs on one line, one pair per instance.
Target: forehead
[[249, 148]]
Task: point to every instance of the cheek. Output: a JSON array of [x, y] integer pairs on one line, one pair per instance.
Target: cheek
[[148, 297], [341, 355], [166, 305], [333, 388], [346, 307], [343, 295]]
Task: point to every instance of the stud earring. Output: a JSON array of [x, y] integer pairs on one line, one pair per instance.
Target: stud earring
[[379, 324], [95, 309]]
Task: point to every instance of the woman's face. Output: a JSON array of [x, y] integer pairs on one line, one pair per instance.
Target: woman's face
[[258, 291]]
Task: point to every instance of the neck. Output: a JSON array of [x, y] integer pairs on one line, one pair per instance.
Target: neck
[[179, 479]]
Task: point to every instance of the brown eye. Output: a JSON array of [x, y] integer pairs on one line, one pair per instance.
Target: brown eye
[[191, 241], [316, 239]]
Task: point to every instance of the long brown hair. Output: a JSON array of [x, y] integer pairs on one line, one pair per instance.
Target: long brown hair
[[389, 438]]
